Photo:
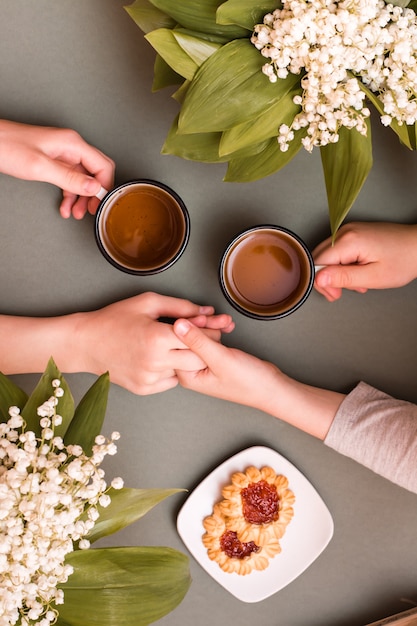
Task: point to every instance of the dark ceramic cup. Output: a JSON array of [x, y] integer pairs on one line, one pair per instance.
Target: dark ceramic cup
[[266, 272], [142, 227]]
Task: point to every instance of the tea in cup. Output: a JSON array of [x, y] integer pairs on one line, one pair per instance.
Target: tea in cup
[[142, 227], [266, 272]]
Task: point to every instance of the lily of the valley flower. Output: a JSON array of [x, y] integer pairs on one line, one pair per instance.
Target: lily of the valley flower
[[45, 488], [337, 44]]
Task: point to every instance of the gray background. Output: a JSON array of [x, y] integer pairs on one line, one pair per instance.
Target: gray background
[[85, 64]]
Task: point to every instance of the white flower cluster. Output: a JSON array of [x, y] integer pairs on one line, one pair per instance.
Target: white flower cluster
[[48, 500], [333, 45]]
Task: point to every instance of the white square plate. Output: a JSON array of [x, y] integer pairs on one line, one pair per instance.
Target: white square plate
[[306, 536]]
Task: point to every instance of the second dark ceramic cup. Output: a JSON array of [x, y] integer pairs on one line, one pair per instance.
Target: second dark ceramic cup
[[266, 272]]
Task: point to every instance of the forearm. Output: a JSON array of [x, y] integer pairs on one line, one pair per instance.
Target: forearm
[[239, 377], [27, 343], [308, 408], [379, 432]]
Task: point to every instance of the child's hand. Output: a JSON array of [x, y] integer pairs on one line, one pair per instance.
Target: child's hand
[[58, 156], [367, 256], [230, 374]]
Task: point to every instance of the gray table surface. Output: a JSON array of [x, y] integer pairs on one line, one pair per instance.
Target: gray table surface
[[84, 64]]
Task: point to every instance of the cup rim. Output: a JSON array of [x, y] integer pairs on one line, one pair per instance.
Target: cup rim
[[187, 227], [273, 316]]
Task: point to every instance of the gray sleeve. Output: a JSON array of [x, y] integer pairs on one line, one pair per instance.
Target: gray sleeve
[[379, 432]]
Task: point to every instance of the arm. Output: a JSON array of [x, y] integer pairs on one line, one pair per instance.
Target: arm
[[379, 432], [58, 156], [367, 256], [126, 338], [366, 425], [239, 377]]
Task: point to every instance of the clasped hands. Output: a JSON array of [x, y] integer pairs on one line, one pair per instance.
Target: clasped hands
[[141, 352]]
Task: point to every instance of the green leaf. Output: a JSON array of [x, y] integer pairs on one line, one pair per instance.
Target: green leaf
[[89, 416], [164, 75], [400, 3], [123, 586], [42, 392], [60, 622], [202, 147], [10, 395], [412, 135], [267, 162], [245, 13], [148, 17], [250, 151], [198, 15], [220, 39], [230, 88], [164, 42], [346, 165], [126, 507], [198, 49], [265, 126], [180, 93]]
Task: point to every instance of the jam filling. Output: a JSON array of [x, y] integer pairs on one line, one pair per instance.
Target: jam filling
[[260, 503], [234, 548]]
